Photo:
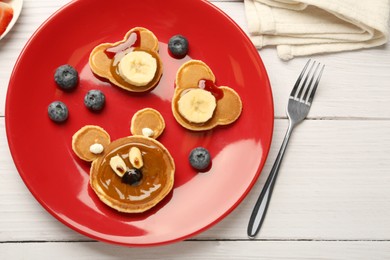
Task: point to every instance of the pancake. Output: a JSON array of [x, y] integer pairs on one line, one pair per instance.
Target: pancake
[[228, 103], [152, 161], [87, 136], [147, 118], [157, 182], [106, 66]]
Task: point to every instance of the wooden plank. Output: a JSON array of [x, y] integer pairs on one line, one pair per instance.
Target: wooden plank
[[194, 250], [333, 185]]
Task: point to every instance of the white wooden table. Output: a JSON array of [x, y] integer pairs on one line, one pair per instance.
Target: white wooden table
[[332, 198]]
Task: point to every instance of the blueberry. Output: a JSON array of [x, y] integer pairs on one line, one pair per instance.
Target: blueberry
[[178, 46], [66, 77], [199, 158], [58, 112], [132, 177], [94, 100]]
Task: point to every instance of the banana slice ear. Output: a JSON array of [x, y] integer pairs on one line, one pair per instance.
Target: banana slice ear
[[228, 106], [147, 122], [89, 142]]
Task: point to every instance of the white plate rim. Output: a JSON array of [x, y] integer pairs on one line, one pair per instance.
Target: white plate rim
[[17, 6]]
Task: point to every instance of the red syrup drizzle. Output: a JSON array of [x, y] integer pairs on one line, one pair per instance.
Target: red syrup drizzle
[[209, 85], [133, 41]]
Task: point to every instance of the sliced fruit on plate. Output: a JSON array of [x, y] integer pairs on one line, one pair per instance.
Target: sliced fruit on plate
[[197, 105], [138, 68], [6, 14]]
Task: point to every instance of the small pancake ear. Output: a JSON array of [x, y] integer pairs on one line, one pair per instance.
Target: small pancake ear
[[89, 142], [191, 72], [147, 122], [148, 40], [229, 107]]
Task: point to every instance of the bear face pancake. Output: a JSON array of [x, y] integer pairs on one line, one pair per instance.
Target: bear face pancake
[[116, 164]]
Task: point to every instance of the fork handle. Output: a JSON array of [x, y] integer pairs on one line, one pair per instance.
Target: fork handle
[[261, 206]]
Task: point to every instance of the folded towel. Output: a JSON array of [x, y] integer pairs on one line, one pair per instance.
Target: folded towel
[[305, 27]]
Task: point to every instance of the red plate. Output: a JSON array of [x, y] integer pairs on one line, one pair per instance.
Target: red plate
[[59, 180]]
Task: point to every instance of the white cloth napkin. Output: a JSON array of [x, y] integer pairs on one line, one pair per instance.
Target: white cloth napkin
[[305, 27]]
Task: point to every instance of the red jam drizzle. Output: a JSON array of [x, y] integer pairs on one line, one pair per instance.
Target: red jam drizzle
[[209, 85], [133, 41]]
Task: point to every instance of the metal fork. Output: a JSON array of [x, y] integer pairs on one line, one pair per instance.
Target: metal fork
[[298, 107]]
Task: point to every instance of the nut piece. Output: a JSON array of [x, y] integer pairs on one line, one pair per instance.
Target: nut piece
[[135, 157], [146, 131], [96, 148], [118, 165]]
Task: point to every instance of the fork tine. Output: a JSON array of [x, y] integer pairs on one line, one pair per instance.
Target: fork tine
[[309, 86], [299, 96], [313, 92], [295, 88]]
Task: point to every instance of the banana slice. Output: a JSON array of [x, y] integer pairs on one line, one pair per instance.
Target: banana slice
[[138, 68], [197, 105]]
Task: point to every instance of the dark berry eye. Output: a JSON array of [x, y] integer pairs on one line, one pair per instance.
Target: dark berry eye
[[58, 111], [178, 46], [132, 177], [66, 77], [200, 158]]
